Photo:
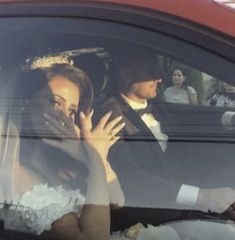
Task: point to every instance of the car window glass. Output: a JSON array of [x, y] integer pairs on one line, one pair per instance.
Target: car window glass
[[174, 155], [208, 90]]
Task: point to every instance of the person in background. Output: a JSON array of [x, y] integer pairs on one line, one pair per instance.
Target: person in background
[[180, 92], [223, 97]]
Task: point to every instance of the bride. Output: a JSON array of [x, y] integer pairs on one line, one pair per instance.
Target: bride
[[55, 179]]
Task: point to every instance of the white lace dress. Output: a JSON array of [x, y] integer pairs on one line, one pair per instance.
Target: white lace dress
[[37, 209]]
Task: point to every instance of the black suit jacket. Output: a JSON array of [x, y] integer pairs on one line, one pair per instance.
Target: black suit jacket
[[138, 159]]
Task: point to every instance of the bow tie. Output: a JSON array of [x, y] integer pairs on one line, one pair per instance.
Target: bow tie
[[143, 111]]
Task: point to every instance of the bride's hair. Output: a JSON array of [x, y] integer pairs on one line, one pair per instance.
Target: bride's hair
[[34, 80]]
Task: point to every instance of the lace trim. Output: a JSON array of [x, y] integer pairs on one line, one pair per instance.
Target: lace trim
[[39, 208]]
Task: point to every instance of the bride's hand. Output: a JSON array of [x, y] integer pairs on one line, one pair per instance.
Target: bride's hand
[[63, 134], [103, 135]]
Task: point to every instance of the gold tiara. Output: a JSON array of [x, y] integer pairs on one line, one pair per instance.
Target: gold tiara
[[48, 61]]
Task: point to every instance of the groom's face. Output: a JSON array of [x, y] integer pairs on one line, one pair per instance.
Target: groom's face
[[146, 90], [145, 79]]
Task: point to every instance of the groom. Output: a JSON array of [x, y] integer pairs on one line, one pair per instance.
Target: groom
[[141, 157]]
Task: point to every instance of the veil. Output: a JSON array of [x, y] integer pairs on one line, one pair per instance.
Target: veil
[[10, 109]]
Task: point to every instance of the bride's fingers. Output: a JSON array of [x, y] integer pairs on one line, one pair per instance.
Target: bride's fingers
[[89, 120], [85, 122], [111, 124], [103, 121], [77, 130], [113, 140], [91, 113], [117, 129]]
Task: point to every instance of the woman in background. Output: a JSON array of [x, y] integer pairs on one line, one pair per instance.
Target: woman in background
[[180, 92]]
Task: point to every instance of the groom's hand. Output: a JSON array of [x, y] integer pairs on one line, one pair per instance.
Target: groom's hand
[[217, 199]]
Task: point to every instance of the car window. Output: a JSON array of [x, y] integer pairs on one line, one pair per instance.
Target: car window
[[207, 89], [170, 153]]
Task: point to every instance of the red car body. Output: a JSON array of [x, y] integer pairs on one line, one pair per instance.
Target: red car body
[[217, 16], [208, 13]]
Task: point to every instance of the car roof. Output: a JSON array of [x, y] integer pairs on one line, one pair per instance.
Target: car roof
[[209, 13], [206, 12]]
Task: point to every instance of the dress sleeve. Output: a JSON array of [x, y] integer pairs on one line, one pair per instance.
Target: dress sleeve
[[46, 204], [165, 94], [191, 90]]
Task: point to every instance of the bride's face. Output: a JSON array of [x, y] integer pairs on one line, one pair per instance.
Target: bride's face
[[65, 95]]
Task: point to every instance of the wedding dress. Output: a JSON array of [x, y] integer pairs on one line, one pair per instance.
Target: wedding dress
[[37, 209]]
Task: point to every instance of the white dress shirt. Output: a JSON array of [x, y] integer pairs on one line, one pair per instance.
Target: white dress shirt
[[150, 121], [187, 194]]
